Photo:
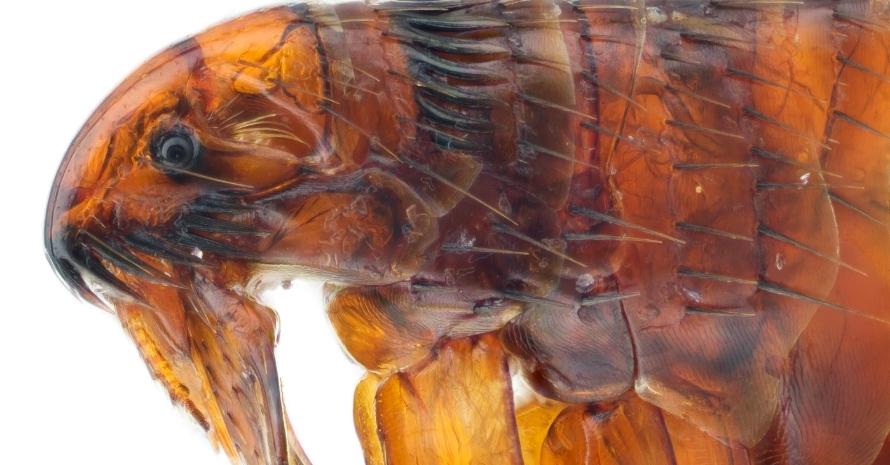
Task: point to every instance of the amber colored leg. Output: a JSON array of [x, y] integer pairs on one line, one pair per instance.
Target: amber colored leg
[[235, 338], [392, 327], [213, 351], [378, 329], [623, 433], [534, 420], [176, 370], [692, 446], [365, 414], [631, 431], [455, 410]]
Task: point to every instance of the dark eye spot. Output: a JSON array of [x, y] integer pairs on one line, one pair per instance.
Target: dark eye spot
[[176, 148]]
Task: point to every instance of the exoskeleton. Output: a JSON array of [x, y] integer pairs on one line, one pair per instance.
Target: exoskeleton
[[672, 218]]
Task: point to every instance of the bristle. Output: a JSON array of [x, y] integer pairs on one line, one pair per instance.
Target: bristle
[[464, 23], [611, 89], [768, 232], [860, 125], [606, 298], [738, 73], [572, 237], [712, 166], [604, 38], [776, 289], [713, 231], [607, 7], [204, 177], [443, 180], [459, 249], [724, 312], [610, 133], [545, 103], [93, 265], [640, 33], [251, 122], [439, 114], [860, 67], [703, 129], [556, 154], [755, 4], [446, 92], [455, 69], [841, 201], [124, 260], [766, 154], [786, 127], [357, 87], [533, 299], [536, 243], [214, 225], [619, 222], [679, 59], [717, 40], [207, 245], [160, 248], [697, 96], [450, 142], [451, 45], [862, 21], [690, 273]]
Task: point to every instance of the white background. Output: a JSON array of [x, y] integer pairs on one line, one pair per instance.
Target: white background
[[72, 388]]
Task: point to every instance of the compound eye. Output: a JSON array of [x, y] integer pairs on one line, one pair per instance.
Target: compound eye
[[176, 148]]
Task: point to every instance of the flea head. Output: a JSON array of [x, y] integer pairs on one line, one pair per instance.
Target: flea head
[[228, 114]]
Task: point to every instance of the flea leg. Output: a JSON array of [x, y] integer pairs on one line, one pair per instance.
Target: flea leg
[[631, 431], [213, 349], [457, 409], [534, 421]]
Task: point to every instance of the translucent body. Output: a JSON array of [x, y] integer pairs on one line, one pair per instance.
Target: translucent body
[[672, 219]]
